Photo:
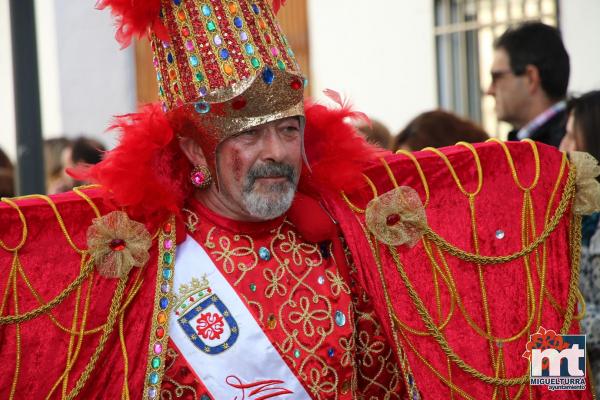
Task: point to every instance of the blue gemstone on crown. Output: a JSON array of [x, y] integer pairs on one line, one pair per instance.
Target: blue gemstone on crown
[[268, 75]]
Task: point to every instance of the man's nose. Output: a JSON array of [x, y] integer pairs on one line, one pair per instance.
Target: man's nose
[[491, 90], [273, 146]]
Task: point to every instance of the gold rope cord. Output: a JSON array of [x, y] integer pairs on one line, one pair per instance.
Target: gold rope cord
[[392, 318], [527, 230], [475, 258], [77, 330], [420, 172], [471, 198], [534, 250]]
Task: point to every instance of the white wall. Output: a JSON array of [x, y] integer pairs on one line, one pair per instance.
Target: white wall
[[380, 53], [96, 80], [581, 33], [84, 78], [7, 111]]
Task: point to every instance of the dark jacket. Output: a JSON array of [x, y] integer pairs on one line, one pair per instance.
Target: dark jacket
[[550, 133]]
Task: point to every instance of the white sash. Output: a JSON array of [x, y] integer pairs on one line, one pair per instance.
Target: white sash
[[219, 337]]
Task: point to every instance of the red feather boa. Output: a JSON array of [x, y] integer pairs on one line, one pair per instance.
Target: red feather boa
[[147, 174], [335, 152], [277, 4], [135, 18]]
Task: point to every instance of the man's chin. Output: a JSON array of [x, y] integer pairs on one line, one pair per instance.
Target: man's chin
[[271, 204]]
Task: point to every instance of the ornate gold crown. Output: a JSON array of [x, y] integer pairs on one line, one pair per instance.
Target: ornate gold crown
[[228, 62]]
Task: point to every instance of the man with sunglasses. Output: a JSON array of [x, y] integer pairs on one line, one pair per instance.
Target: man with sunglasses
[[530, 76]]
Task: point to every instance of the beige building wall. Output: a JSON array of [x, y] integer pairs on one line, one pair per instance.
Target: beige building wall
[[581, 33], [380, 54]]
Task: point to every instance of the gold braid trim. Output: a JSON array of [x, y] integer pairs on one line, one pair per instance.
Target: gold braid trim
[[511, 163], [475, 258], [529, 246], [71, 360], [446, 381], [13, 386], [86, 271], [401, 355], [135, 288], [420, 172], [439, 337], [19, 318], [23, 228], [482, 259], [449, 286], [110, 322], [453, 172], [455, 296]]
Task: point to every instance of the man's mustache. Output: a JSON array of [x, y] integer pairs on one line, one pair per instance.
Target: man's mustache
[[270, 170]]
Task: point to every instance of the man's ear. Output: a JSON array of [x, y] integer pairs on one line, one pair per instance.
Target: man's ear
[[192, 151], [534, 80]]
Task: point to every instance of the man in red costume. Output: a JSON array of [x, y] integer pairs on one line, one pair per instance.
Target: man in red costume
[[244, 245]]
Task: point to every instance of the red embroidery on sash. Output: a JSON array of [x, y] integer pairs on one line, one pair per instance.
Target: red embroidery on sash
[[210, 326], [265, 389]]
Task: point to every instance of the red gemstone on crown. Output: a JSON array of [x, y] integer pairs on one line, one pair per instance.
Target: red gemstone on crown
[[239, 103], [117, 244], [296, 84], [392, 219]]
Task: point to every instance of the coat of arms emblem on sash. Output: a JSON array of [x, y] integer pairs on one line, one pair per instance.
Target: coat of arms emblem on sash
[[205, 319]]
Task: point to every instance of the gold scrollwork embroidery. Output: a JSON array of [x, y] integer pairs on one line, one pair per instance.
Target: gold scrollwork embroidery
[[274, 279], [306, 316], [179, 389], [297, 248], [368, 348], [338, 284], [317, 385], [226, 253], [319, 378], [348, 345]]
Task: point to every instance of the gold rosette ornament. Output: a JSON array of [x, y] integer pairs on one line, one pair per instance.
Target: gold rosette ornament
[[117, 244], [397, 217], [587, 199]]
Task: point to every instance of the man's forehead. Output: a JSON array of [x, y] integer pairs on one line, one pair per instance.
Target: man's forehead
[[256, 128], [276, 122], [501, 59]]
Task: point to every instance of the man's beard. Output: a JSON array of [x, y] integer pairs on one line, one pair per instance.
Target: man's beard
[[277, 198]]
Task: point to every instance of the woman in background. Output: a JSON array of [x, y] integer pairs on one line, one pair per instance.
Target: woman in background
[[437, 129], [583, 134]]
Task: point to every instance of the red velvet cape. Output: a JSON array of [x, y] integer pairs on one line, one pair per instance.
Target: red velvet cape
[[337, 158]]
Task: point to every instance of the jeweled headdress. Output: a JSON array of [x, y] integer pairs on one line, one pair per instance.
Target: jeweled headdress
[[224, 63]]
